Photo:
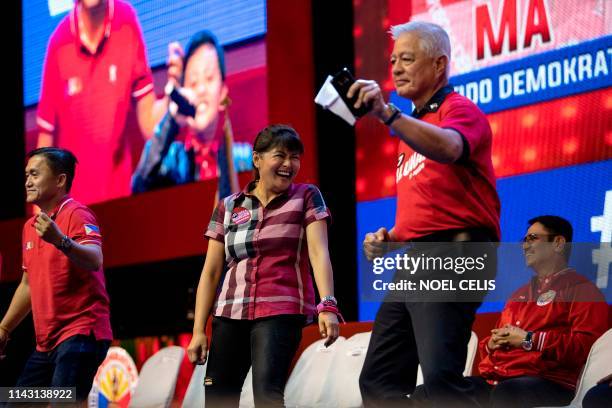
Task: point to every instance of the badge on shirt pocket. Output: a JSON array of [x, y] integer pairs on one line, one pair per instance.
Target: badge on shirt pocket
[[75, 86], [240, 215], [546, 297]]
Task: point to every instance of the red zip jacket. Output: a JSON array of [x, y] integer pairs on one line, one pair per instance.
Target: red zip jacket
[[566, 312]]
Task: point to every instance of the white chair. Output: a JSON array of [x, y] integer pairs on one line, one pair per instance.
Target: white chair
[[471, 354], [194, 396], [158, 378], [306, 384], [347, 365], [596, 367]]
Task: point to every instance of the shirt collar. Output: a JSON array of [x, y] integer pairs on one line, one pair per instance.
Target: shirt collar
[[204, 148], [246, 191], [75, 28], [548, 280], [59, 206], [434, 102]]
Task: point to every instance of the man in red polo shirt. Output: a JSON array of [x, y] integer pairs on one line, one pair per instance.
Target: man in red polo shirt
[[63, 280], [95, 66], [445, 193]]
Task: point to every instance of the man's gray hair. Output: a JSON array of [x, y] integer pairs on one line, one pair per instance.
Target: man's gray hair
[[434, 40]]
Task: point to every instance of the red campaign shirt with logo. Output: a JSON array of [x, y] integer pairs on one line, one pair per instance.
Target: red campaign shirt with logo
[[86, 96], [66, 300], [566, 313], [434, 197], [267, 253]]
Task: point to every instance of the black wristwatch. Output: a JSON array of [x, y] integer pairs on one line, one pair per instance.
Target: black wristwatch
[[527, 343], [395, 113], [65, 244]]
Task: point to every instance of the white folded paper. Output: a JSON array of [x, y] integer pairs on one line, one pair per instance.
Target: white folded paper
[[329, 98]]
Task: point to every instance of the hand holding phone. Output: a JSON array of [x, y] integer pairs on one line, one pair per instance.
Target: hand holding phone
[[184, 107], [342, 81]]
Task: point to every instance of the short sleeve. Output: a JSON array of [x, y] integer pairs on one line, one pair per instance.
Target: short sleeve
[[216, 228], [24, 246], [469, 121], [84, 228], [315, 206], [51, 91], [142, 79]]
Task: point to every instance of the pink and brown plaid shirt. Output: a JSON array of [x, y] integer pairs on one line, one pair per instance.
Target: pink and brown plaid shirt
[[266, 251]]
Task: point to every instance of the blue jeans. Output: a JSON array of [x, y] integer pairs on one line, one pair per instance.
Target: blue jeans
[[73, 363]]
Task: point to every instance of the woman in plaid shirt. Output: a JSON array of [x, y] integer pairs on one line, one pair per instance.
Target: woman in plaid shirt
[[269, 234]]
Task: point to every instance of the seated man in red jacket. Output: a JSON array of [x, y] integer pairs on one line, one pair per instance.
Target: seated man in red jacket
[[534, 355]]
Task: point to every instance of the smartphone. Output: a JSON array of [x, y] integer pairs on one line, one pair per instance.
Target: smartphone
[[342, 81], [184, 107]]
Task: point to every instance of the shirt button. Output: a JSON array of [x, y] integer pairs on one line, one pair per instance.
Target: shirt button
[[496, 368], [518, 322]]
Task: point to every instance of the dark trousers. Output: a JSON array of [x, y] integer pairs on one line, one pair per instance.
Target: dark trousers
[[521, 392], [599, 396], [434, 334], [73, 363], [268, 344]]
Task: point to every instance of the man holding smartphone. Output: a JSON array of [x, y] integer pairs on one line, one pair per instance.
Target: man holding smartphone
[[194, 140], [445, 193]]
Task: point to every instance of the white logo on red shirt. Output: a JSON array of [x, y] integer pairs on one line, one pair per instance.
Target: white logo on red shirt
[[240, 215], [546, 297], [29, 245], [112, 73], [74, 86], [411, 167]]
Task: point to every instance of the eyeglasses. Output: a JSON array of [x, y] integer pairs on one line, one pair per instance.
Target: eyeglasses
[[529, 238]]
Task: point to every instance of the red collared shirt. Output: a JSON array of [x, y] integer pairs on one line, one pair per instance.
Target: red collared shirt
[[267, 254], [86, 95], [66, 300], [566, 312], [205, 156], [432, 196]]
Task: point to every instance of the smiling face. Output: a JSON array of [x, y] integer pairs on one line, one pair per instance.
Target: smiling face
[[207, 91], [539, 245], [277, 168], [415, 73], [42, 185]]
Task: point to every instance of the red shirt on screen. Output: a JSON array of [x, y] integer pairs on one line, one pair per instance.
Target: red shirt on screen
[[86, 96], [66, 300], [434, 197]]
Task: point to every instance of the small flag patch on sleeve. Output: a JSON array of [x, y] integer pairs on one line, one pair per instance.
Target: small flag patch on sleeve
[[92, 230]]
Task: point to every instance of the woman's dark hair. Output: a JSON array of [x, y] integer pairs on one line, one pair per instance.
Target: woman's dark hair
[[275, 136], [199, 39], [59, 161]]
